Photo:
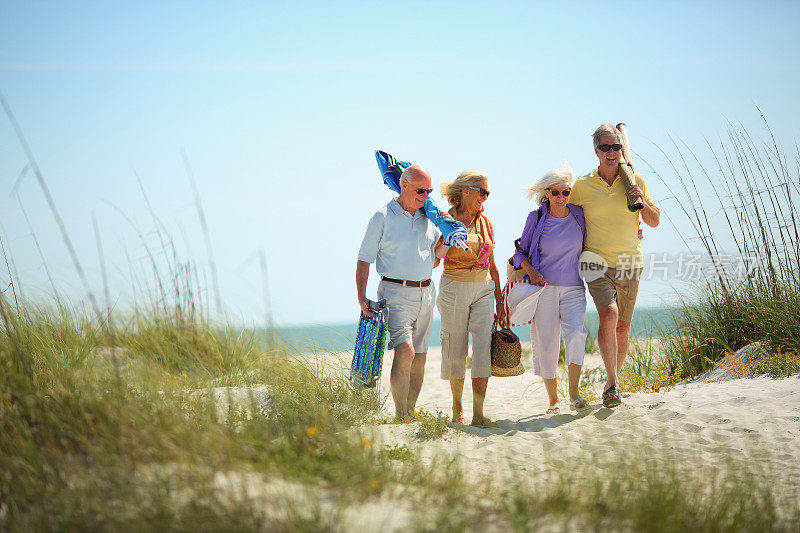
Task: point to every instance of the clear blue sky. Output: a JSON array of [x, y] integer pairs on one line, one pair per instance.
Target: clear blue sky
[[280, 105]]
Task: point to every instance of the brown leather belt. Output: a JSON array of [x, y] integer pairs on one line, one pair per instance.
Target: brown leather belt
[[408, 283]]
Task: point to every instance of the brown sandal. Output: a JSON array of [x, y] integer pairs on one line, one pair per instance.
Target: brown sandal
[[611, 397]]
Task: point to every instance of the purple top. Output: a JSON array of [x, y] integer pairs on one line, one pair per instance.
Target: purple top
[[527, 246], [559, 249]]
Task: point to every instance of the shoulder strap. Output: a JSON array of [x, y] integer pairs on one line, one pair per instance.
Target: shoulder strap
[[517, 242]]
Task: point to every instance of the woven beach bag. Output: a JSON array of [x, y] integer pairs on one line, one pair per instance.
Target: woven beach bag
[[506, 353]]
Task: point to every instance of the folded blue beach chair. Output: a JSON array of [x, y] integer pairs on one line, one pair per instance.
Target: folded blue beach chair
[[370, 343]]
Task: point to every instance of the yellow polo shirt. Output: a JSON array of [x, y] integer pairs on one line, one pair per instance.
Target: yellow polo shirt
[[611, 230]]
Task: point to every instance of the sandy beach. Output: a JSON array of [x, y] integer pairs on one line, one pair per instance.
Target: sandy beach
[[700, 424], [759, 412]]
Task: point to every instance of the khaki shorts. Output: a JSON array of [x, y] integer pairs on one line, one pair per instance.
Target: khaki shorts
[[410, 313], [617, 286]]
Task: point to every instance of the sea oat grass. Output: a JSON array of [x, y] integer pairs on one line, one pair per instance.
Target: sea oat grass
[[82, 419], [753, 210], [124, 445]]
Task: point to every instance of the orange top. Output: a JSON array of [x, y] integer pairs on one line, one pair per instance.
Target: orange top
[[473, 265]]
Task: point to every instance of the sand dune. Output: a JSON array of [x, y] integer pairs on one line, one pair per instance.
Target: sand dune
[[754, 413], [700, 424], [757, 416]]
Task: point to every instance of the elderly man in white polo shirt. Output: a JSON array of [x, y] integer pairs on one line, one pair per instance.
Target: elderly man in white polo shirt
[[401, 241]]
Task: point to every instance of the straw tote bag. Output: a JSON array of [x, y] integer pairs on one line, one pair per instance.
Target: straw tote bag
[[506, 353]]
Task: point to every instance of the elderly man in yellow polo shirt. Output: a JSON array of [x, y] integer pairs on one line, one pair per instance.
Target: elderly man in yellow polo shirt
[[612, 233]]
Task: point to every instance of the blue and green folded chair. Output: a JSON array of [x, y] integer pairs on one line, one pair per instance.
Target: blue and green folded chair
[[370, 344]]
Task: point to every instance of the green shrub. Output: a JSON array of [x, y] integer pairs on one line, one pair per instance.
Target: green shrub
[[431, 426]]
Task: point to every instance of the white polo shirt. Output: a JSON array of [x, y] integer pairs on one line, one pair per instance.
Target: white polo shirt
[[400, 245]]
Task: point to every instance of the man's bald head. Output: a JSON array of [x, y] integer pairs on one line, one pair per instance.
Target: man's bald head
[[413, 179], [415, 172]]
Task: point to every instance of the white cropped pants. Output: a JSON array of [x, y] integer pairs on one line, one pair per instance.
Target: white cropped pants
[[558, 309]]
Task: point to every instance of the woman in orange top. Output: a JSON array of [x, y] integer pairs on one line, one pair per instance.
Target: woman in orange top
[[468, 294]]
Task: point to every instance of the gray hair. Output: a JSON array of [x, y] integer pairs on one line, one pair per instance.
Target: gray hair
[[452, 190], [602, 131], [561, 175]]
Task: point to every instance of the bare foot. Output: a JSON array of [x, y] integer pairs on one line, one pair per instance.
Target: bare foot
[[580, 403], [484, 423]]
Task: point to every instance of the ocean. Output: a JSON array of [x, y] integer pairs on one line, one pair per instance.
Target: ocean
[[341, 337]]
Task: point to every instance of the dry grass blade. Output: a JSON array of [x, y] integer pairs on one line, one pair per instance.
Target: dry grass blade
[[10, 277], [55, 293], [52, 205], [204, 225]]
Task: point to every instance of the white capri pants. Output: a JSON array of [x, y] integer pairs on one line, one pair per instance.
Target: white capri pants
[[466, 308], [559, 308]]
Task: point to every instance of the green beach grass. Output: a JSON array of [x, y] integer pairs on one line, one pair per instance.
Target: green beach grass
[[147, 434], [753, 208]]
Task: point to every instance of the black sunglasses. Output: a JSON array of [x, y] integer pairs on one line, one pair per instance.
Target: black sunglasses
[[481, 190], [607, 147], [556, 193], [424, 191]]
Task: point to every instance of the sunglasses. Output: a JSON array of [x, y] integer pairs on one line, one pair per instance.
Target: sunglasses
[[424, 191], [481, 190], [607, 147], [556, 193]]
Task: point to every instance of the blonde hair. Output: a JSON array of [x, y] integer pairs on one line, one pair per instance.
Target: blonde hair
[[452, 190], [562, 174], [603, 130]]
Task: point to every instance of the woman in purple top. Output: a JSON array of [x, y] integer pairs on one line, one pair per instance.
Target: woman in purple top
[[548, 252]]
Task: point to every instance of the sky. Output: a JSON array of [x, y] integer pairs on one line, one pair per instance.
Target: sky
[[276, 109]]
